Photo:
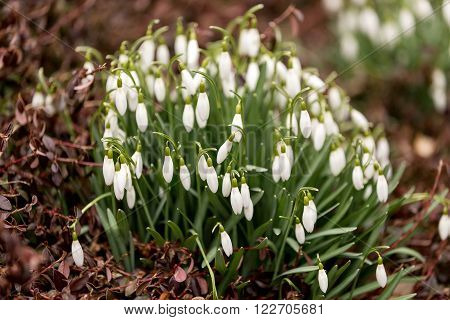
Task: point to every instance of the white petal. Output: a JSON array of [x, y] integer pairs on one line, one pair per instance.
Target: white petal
[[236, 201], [318, 136], [444, 224], [305, 123], [180, 46], [108, 170], [245, 193], [188, 82], [382, 188], [77, 253], [226, 185], [237, 123], [334, 98], [131, 198], [359, 120], [159, 89], [358, 178], [292, 120], [248, 211], [202, 168], [119, 191], [323, 280], [162, 54], [202, 110], [253, 42], [193, 54], [168, 169], [285, 167], [188, 117], [223, 151], [292, 83], [132, 98], [141, 117], [381, 275], [337, 161], [308, 218], [276, 169], [137, 158], [252, 75], [121, 100], [299, 233], [212, 180], [185, 177], [227, 245]]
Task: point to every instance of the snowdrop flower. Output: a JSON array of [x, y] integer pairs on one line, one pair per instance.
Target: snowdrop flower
[[444, 225], [331, 127], [381, 273], [121, 98], [111, 119], [38, 98], [225, 240], [406, 21], [299, 232], [49, 107], [236, 197], [349, 46], [167, 169], [193, 52], [185, 176], [188, 115], [276, 169], [108, 168], [358, 176], [162, 52], [132, 98], [309, 217], [120, 179], [128, 177], [229, 85], [225, 64], [202, 168], [150, 82], [202, 110], [359, 120], [243, 42], [138, 163], [141, 114], [245, 193], [369, 23], [111, 85], [254, 40], [237, 124], [226, 183], [252, 75], [248, 211], [314, 82], [187, 80], [337, 160], [285, 165], [422, 8], [225, 149], [211, 177], [334, 98], [319, 134], [292, 123], [367, 163], [147, 52], [289, 150], [108, 133], [382, 151], [446, 11], [180, 44], [281, 71], [323, 279], [270, 65], [131, 198], [77, 251], [382, 187], [305, 121], [292, 81], [159, 87], [332, 6]]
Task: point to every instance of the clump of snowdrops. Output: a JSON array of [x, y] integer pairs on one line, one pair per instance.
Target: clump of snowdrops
[[239, 152], [408, 33]]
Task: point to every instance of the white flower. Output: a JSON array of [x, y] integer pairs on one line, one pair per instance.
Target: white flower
[[276, 169], [38, 99], [382, 187], [318, 135], [281, 71], [188, 116], [358, 177], [225, 149], [254, 42], [292, 82], [193, 52], [446, 11], [229, 85], [252, 75], [248, 212], [131, 198], [141, 117], [334, 98], [111, 85], [211, 177], [285, 165], [381, 274], [188, 82], [180, 46], [369, 23], [150, 82], [132, 98], [112, 120], [163, 54], [245, 193], [332, 6], [292, 120], [236, 198], [121, 98], [406, 21], [243, 42], [49, 107], [237, 123], [202, 168], [167, 169], [119, 182], [337, 161], [367, 163], [305, 123], [159, 89], [330, 125], [444, 226], [128, 177], [349, 46], [270, 65], [422, 8], [382, 150], [202, 110], [290, 154], [359, 120], [314, 82], [309, 217], [77, 252], [368, 142], [226, 184], [147, 53], [299, 233], [225, 65], [185, 176], [227, 245], [323, 279], [108, 168], [138, 164]]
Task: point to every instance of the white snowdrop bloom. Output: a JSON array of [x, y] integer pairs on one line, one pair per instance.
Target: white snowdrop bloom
[[193, 52], [292, 85], [185, 176], [131, 198], [180, 45], [123, 59], [305, 123], [129, 178], [389, 34], [188, 116], [198, 78], [159, 88], [254, 42], [252, 75], [112, 120], [111, 84], [382, 187], [225, 149], [138, 163], [141, 117], [236, 124], [147, 53], [187, 82], [332, 6], [227, 245], [358, 177], [280, 99], [381, 273], [248, 211], [119, 182], [270, 65], [150, 82], [299, 233], [49, 107], [285, 165], [309, 217], [368, 142], [359, 120], [313, 101], [337, 161], [236, 198], [406, 22], [38, 99], [108, 133], [162, 53], [331, 127], [226, 183], [120, 134], [203, 109], [243, 42], [349, 46], [334, 98], [289, 151], [229, 85], [443, 227], [369, 23], [225, 65], [439, 98], [167, 169], [367, 163], [382, 150], [77, 251], [245, 193], [323, 279], [276, 169], [292, 123], [121, 98], [202, 168], [314, 82], [422, 8], [446, 11], [359, 2], [438, 79], [211, 177], [318, 136], [108, 168], [281, 71]]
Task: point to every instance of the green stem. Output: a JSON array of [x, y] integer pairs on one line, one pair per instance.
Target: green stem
[[93, 202]]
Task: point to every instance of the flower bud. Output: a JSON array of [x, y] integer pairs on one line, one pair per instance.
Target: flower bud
[[77, 251], [236, 198], [227, 245]]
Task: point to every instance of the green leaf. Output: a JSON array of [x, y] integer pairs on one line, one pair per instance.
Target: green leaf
[[191, 242], [300, 270], [387, 292], [219, 263], [406, 251], [157, 236], [262, 229], [406, 297], [330, 232], [346, 282], [262, 244], [176, 231], [231, 270]]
